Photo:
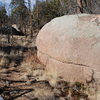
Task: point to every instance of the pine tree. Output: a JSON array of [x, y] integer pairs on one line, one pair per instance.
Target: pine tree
[[19, 12], [3, 15]]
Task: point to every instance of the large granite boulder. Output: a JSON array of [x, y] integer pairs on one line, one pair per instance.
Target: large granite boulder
[[69, 46]]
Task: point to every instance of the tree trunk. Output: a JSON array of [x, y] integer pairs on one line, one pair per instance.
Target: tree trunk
[[30, 17], [8, 38], [62, 3], [79, 7]]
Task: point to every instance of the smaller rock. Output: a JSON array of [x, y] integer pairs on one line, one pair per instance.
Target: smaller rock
[[82, 99], [23, 98]]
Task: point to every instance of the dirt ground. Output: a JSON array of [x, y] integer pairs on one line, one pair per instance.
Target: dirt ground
[[22, 74]]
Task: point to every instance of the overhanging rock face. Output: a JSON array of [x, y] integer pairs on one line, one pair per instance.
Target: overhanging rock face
[[69, 46]]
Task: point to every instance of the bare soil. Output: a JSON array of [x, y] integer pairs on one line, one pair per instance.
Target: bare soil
[[20, 71]]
